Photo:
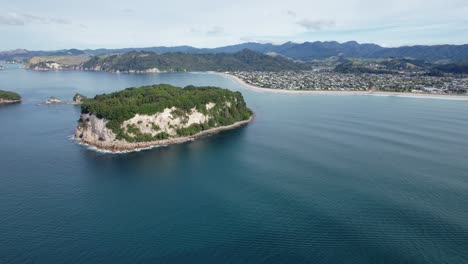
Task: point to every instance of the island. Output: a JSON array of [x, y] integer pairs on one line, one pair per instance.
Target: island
[[53, 100], [7, 97], [158, 115], [78, 99]]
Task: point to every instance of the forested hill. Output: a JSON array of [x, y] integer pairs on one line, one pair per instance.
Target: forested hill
[[245, 60]]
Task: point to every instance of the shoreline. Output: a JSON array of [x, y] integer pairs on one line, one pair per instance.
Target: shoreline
[[325, 92], [120, 146], [236, 79], [9, 101]]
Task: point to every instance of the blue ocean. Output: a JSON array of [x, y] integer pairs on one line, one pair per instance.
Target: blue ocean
[[313, 179]]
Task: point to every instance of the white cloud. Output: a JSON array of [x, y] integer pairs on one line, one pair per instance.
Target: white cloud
[[215, 31], [291, 13], [315, 24], [15, 19], [211, 23]]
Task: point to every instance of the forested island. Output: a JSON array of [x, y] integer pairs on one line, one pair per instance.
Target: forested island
[[156, 115], [7, 97]]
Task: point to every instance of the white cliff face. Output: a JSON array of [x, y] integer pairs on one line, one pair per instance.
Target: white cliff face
[[210, 105], [48, 66], [93, 129], [167, 121]]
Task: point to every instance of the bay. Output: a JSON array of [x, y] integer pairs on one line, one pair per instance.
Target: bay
[[313, 179]]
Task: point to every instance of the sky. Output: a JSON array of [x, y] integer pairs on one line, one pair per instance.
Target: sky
[[52, 24]]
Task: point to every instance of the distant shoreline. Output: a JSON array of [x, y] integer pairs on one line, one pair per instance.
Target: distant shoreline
[[325, 92], [127, 147]]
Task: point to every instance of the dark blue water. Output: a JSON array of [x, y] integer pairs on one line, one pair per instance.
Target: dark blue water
[[314, 179]]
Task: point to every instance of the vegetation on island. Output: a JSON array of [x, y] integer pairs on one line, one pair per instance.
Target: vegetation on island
[[120, 106], [9, 96]]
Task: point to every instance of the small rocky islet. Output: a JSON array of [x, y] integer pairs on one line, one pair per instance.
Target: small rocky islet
[[8, 97], [149, 116]]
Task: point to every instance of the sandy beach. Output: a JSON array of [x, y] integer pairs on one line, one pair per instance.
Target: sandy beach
[[368, 93]]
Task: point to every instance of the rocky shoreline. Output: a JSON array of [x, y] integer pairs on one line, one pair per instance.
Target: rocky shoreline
[[122, 146], [95, 69], [3, 101]]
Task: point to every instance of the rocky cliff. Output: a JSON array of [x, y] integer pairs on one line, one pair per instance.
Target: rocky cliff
[[93, 131]]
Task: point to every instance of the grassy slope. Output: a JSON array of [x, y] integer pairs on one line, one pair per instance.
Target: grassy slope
[[65, 60]]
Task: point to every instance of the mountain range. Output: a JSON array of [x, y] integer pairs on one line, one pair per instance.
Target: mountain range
[[306, 51]]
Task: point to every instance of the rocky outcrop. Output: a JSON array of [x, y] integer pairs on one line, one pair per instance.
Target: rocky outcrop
[[53, 100], [4, 101], [99, 68], [92, 129], [78, 99]]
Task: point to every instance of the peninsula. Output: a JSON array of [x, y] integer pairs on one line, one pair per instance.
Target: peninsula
[[7, 97], [158, 115]]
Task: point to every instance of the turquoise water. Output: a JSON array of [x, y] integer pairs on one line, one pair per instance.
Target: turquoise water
[[314, 179]]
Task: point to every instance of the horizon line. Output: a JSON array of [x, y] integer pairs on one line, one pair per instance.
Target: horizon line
[[240, 43]]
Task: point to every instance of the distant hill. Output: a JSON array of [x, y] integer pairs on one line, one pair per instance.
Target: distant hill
[[323, 50], [306, 51], [21, 54], [245, 60], [457, 68], [428, 53], [383, 66]]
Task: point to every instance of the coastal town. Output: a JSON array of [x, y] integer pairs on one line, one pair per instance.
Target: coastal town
[[329, 80]]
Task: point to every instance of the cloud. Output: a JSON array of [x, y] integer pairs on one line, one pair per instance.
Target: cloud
[[255, 39], [60, 21], [128, 11], [316, 25], [291, 13], [195, 30], [15, 19], [12, 19], [215, 31], [83, 27]]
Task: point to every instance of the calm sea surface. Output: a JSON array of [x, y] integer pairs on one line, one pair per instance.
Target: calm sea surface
[[314, 179]]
